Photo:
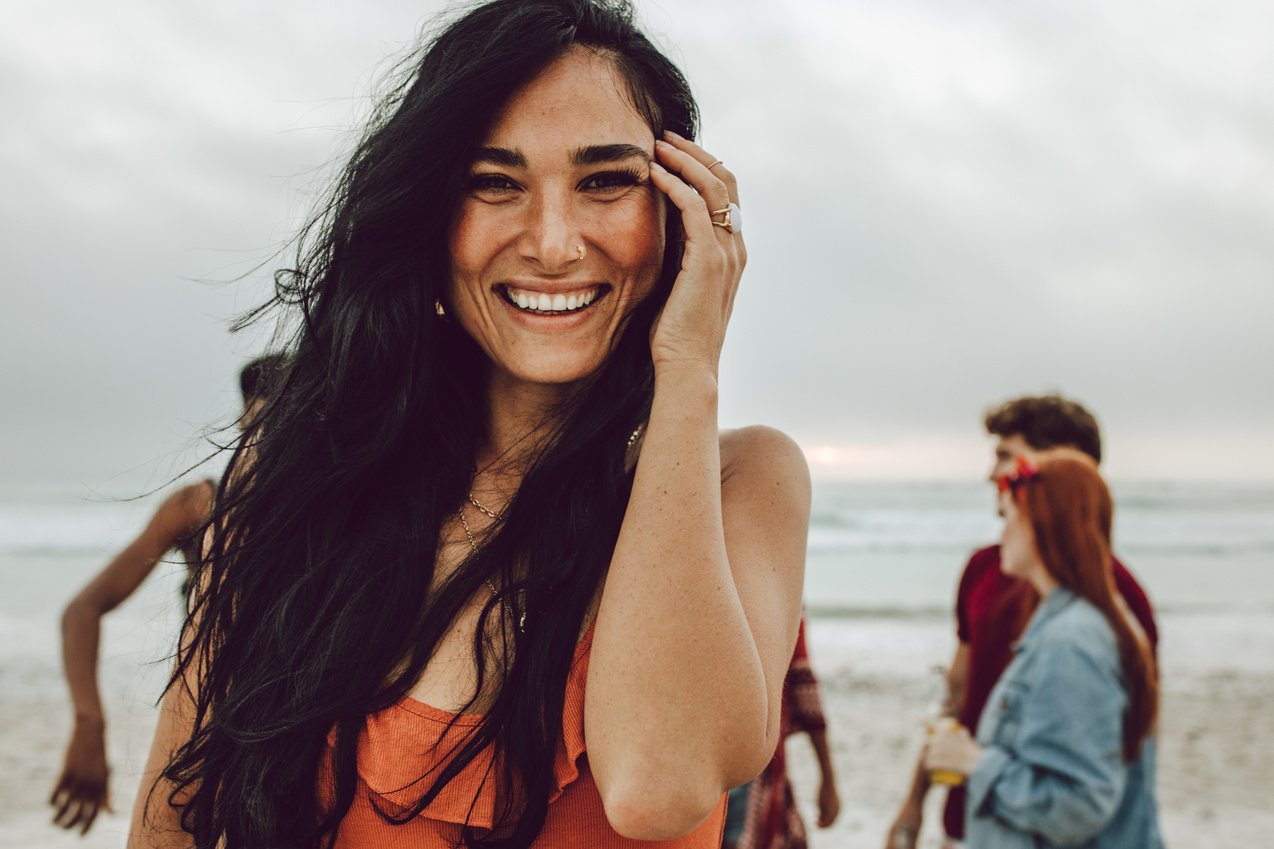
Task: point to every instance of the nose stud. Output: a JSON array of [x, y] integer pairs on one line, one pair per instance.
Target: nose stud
[[579, 249]]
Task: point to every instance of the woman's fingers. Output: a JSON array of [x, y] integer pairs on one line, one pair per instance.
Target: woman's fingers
[[714, 166], [695, 221]]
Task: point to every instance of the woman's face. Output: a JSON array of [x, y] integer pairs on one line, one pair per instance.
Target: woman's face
[[560, 234], [1018, 554]]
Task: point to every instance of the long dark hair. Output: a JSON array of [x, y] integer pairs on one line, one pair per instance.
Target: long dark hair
[[316, 604], [1070, 510]]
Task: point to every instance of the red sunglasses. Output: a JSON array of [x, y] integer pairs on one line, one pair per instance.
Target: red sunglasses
[[1025, 470]]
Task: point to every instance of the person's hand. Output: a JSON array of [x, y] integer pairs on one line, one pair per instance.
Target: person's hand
[[692, 326], [951, 749], [83, 789], [828, 804], [905, 830]]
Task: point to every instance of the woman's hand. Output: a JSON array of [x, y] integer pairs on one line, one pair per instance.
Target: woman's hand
[[951, 749], [83, 789], [692, 326]]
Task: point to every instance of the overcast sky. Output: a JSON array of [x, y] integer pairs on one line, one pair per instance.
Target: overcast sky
[[946, 204]]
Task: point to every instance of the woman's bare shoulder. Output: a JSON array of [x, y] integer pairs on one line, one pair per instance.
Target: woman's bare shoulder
[[761, 452]]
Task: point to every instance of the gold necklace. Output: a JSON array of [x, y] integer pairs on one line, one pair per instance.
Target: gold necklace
[[495, 593], [473, 540], [474, 501]]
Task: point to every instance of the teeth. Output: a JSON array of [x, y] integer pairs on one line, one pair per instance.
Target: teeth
[[542, 302]]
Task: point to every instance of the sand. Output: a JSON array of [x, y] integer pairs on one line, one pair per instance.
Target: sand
[[1216, 745]]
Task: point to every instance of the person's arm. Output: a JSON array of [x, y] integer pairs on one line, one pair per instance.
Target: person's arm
[[904, 831], [1065, 774], [828, 797], [700, 607], [82, 788]]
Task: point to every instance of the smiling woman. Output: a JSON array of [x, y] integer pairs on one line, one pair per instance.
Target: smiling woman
[[493, 577]]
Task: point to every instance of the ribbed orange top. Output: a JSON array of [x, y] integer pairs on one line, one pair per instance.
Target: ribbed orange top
[[410, 739]]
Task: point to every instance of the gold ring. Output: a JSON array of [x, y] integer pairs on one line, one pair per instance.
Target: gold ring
[[715, 164], [732, 220]]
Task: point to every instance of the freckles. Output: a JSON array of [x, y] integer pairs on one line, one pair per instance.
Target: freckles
[[636, 233]]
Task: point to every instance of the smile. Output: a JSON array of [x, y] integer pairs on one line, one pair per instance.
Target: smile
[[542, 303]]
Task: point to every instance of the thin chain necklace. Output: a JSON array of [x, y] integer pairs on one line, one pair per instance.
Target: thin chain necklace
[[473, 540], [495, 593], [476, 503]]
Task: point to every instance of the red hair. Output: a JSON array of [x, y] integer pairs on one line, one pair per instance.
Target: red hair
[[1070, 510]]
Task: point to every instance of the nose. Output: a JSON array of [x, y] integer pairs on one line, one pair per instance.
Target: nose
[[551, 238]]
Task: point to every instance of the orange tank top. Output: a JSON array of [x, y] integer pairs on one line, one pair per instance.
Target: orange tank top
[[410, 739]]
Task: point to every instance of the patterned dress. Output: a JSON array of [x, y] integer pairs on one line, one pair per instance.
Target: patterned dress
[[763, 812]]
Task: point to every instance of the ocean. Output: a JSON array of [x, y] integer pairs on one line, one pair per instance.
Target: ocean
[[882, 557], [881, 577]]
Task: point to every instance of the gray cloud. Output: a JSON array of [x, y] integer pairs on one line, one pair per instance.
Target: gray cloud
[[944, 207]]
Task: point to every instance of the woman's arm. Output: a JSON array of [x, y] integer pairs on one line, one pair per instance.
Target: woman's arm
[[1065, 775], [700, 608], [156, 823], [82, 787]]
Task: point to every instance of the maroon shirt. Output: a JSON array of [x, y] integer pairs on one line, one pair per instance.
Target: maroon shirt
[[991, 611]]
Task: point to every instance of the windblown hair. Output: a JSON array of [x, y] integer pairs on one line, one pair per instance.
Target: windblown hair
[[317, 603], [1070, 510], [258, 378], [1047, 421]]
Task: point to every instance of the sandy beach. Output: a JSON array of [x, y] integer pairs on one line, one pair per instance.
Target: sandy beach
[[879, 581], [1216, 744]]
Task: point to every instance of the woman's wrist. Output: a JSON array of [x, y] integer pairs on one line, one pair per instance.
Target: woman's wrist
[[688, 373]]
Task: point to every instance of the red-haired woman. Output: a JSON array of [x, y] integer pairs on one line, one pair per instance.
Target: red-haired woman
[[1064, 754]]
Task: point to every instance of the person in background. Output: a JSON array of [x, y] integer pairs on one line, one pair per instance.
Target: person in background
[[762, 814], [82, 789], [991, 607], [1065, 751]]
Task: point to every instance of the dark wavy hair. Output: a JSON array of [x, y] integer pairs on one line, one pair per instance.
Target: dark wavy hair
[[316, 602], [1047, 421]]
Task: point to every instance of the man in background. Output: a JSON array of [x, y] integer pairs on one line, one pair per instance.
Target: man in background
[[82, 788], [992, 608]]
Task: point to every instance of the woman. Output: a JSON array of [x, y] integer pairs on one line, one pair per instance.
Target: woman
[[1065, 753], [493, 577]]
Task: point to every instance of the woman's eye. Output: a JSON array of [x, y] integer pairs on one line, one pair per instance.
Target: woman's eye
[[491, 184], [611, 181]]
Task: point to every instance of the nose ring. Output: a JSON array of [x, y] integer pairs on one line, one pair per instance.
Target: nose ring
[[579, 249]]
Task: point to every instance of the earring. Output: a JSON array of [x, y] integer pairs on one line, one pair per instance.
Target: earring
[[438, 308]]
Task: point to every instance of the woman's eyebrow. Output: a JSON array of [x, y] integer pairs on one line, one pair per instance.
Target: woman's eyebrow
[[502, 156], [598, 154]]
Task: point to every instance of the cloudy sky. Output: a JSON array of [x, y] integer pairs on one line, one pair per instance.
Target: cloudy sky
[[947, 205]]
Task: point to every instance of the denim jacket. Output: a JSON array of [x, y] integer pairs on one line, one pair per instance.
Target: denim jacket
[[1052, 773]]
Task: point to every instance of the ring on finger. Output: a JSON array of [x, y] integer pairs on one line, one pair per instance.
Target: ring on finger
[[732, 220], [715, 164]]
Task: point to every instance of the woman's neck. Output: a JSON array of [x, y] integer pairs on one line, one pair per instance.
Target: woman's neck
[[1041, 579], [520, 418]]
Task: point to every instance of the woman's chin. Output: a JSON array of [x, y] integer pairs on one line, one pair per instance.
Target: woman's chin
[[560, 371]]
